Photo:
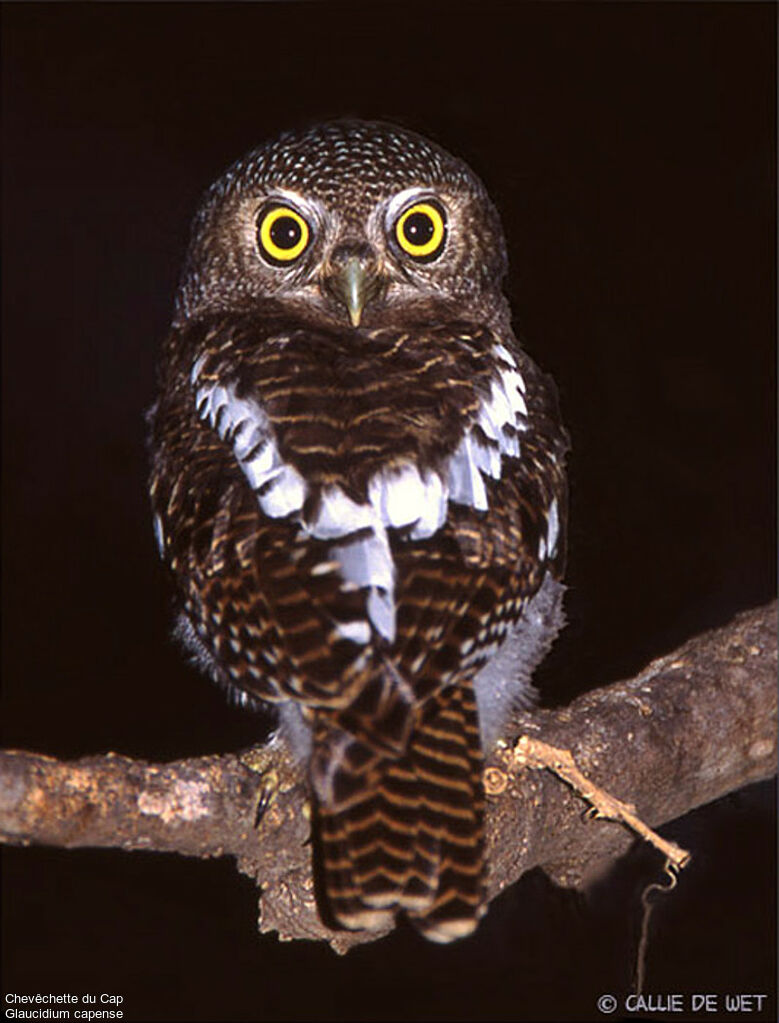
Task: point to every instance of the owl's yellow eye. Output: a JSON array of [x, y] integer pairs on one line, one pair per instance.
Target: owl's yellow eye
[[420, 231], [283, 235]]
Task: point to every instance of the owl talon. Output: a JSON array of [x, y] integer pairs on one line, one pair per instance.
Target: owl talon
[[269, 787]]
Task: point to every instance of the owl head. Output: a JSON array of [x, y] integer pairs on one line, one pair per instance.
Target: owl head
[[354, 223]]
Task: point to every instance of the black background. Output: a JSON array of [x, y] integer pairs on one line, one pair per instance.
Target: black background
[[631, 151]]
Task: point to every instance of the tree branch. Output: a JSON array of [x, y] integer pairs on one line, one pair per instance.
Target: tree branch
[[693, 726]]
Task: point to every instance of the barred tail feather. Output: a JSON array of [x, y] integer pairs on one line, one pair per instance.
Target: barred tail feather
[[447, 757], [407, 833]]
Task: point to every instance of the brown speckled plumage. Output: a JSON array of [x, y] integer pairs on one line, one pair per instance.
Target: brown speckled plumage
[[289, 450]]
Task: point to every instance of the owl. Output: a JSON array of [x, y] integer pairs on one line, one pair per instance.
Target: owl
[[358, 489]]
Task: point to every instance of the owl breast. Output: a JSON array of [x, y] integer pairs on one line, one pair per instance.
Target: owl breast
[[402, 478]]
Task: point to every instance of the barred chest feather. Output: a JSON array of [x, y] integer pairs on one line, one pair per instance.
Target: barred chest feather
[[368, 439], [363, 525]]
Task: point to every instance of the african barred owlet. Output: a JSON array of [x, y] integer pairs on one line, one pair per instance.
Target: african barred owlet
[[358, 488]]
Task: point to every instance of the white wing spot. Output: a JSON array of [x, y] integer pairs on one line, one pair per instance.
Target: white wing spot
[[282, 489], [356, 632], [402, 497], [465, 482], [159, 536], [500, 418], [553, 527], [324, 568]]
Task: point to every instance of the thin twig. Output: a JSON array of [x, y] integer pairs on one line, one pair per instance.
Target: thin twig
[[540, 756]]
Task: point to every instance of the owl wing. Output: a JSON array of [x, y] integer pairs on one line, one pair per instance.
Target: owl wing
[[357, 528]]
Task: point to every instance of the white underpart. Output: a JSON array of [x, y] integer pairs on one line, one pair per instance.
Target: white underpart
[[504, 683], [399, 497]]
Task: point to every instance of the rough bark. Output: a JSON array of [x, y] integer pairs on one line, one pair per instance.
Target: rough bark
[[691, 727]]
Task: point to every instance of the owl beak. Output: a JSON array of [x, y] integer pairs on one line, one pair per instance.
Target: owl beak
[[354, 282], [355, 285]]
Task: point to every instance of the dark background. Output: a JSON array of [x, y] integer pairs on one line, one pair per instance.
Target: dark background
[[631, 151]]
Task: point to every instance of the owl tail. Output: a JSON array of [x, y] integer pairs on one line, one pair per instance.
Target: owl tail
[[405, 832]]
